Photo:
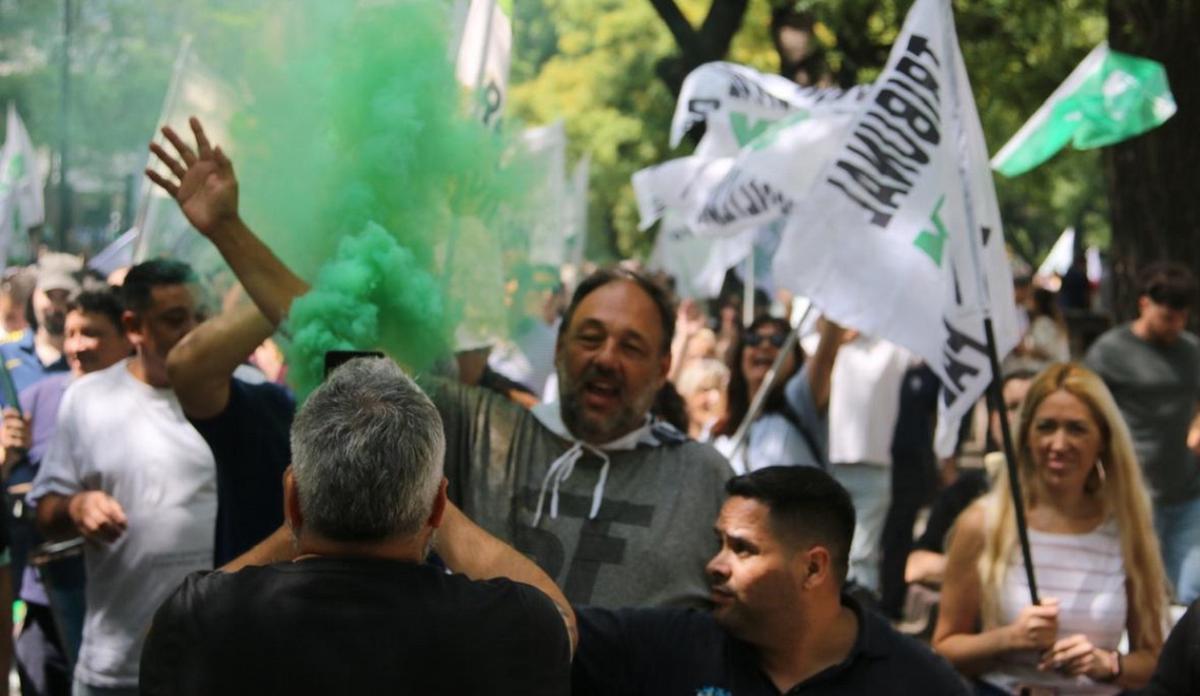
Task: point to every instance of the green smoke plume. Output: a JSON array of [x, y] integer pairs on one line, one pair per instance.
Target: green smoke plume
[[360, 169]]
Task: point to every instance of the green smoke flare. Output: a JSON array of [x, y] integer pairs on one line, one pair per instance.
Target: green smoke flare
[[359, 169]]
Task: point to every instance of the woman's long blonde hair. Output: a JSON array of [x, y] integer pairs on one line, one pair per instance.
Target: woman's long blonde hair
[[1122, 493]]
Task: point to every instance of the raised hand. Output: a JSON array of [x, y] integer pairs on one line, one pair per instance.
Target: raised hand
[[206, 190]]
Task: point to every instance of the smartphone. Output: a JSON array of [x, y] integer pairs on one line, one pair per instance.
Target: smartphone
[[335, 358]]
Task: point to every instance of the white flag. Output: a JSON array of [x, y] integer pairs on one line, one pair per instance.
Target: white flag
[[484, 55], [717, 190], [21, 203], [900, 235]]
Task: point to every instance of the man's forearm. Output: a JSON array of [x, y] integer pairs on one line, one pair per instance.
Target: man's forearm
[[468, 549], [269, 282], [54, 517]]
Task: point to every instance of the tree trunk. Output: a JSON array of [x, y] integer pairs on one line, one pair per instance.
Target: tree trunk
[[1154, 189]]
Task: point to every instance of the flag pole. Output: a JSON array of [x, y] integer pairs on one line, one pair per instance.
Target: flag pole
[[748, 288], [760, 396], [972, 232]]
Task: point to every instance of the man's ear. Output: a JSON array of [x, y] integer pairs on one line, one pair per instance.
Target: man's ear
[[439, 505], [818, 567], [132, 327], [292, 516]]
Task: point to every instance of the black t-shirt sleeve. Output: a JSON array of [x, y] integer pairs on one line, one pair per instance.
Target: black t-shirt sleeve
[[171, 646], [641, 651], [1178, 669], [545, 641], [604, 660]]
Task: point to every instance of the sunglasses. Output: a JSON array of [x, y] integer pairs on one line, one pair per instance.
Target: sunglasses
[[753, 340]]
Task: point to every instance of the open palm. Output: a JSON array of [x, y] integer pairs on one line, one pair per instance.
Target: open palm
[[207, 190]]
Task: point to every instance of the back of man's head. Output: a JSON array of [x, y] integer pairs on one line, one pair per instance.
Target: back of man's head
[[1168, 283], [367, 452], [808, 507], [144, 277]]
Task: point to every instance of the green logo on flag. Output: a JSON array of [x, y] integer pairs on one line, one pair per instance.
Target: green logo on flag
[[743, 130], [770, 134], [934, 243]]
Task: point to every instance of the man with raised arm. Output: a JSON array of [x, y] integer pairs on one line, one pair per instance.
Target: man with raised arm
[[363, 498], [610, 502]]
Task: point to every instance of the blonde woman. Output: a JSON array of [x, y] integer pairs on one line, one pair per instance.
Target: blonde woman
[[1095, 556], [703, 383]]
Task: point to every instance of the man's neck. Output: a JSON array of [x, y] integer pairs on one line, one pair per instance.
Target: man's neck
[[408, 549], [804, 650], [47, 346], [1141, 329], [143, 373]]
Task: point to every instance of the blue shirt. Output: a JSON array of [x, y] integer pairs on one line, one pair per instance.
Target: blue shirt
[[22, 362]]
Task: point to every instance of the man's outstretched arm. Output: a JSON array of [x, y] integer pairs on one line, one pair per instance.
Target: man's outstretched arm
[[206, 189], [468, 549]]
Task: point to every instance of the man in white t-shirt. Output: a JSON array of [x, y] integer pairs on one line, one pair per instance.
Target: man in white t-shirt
[[128, 472], [864, 403]]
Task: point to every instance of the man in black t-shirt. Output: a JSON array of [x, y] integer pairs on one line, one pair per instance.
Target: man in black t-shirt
[[245, 423], [780, 624], [358, 611]]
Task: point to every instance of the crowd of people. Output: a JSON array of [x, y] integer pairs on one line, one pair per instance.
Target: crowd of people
[[541, 521]]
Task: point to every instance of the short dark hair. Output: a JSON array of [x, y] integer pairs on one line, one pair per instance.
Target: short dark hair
[[604, 276], [1168, 283], [102, 302], [144, 277], [806, 505]]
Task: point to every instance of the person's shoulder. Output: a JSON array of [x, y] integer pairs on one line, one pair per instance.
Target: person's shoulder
[[12, 338], [1118, 337], [908, 659], [701, 454], [269, 392], [100, 382], [55, 382]]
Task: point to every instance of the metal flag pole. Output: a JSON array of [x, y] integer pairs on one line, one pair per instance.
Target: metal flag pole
[[972, 232]]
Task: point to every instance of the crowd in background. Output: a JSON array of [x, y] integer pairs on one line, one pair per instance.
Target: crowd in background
[[146, 435]]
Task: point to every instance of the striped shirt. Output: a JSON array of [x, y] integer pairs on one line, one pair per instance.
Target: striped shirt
[[1086, 573]]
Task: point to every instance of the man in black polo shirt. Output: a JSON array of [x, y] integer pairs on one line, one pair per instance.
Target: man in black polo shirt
[[780, 624]]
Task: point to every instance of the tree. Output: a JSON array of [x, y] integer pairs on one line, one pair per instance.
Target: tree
[[1154, 194], [697, 45]]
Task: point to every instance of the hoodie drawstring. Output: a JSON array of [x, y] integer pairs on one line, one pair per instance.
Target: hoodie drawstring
[[560, 470]]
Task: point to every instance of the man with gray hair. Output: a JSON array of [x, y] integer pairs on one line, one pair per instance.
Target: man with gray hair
[[362, 499]]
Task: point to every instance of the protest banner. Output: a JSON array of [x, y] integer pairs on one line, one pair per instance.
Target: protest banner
[[484, 55], [21, 196], [1109, 97]]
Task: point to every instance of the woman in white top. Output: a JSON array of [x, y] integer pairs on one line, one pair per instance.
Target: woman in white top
[[792, 428], [1095, 556]]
